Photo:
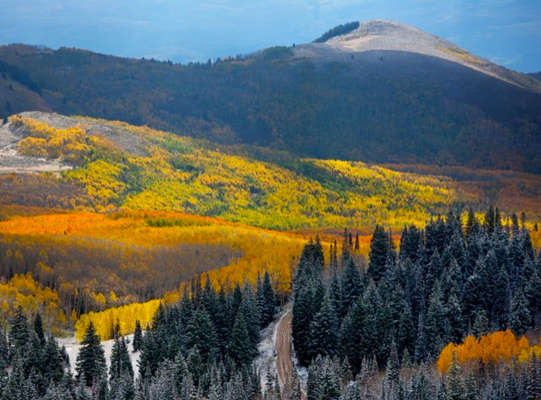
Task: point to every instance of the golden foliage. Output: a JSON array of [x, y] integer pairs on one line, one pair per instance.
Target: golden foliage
[[144, 169], [105, 321], [493, 348], [252, 251], [23, 291]]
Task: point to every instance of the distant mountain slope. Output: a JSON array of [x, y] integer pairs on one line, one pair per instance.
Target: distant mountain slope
[[384, 93], [536, 76], [385, 35]]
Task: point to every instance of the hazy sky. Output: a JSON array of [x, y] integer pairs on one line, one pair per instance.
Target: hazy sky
[[507, 32]]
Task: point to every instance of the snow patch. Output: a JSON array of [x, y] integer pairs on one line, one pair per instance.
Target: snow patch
[[73, 347]]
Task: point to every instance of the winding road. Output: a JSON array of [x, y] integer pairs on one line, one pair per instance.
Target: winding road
[[284, 364]]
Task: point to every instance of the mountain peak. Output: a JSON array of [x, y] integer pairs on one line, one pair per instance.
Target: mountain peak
[[388, 35]]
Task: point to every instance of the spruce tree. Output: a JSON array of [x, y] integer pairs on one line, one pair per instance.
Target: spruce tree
[[52, 363], [120, 360], [520, 317], [240, 348], [437, 325], [455, 386], [324, 332], [351, 285], [266, 301], [379, 252], [19, 334], [38, 328], [203, 335], [91, 359], [137, 336]]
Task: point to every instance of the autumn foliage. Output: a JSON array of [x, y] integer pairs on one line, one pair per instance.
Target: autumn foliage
[[122, 166], [493, 348]]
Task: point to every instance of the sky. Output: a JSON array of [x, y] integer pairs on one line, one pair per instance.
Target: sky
[[507, 32]]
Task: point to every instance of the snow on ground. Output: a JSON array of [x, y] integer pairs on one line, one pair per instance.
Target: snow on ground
[[72, 349]]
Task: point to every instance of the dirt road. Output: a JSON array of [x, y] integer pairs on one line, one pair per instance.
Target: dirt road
[[284, 364]]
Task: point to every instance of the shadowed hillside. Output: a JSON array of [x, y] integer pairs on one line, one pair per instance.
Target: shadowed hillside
[[361, 96]]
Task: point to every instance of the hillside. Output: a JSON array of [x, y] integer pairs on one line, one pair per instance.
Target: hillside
[[102, 166], [382, 35], [384, 93]]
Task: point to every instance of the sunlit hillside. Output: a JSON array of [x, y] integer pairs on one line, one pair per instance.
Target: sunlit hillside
[[118, 166]]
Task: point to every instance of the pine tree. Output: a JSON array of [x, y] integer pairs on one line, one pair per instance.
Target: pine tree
[[324, 332], [520, 314], [38, 328], [455, 387], [203, 335], [4, 350], [240, 347], [351, 285], [300, 325], [120, 360], [266, 301], [91, 358], [19, 335], [379, 252], [137, 337], [393, 366], [436, 323], [52, 362], [533, 389]]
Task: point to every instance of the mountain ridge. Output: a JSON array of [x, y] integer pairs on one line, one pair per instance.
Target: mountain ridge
[[377, 106], [388, 35]]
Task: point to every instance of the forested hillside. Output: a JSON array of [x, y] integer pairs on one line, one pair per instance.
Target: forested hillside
[[375, 106], [112, 165]]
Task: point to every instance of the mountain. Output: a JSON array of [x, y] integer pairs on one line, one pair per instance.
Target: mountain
[[536, 76], [381, 35], [382, 93]]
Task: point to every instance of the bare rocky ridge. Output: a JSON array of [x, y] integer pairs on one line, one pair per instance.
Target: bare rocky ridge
[[11, 161], [382, 35]]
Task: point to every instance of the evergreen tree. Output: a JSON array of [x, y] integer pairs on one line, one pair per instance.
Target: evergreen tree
[[120, 360], [436, 323], [266, 301], [52, 363], [137, 337], [91, 359], [240, 348], [379, 252], [38, 328], [4, 350], [324, 332], [351, 285], [19, 335], [302, 317], [203, 335], [520, 314], [533, 389], [455, 387]]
